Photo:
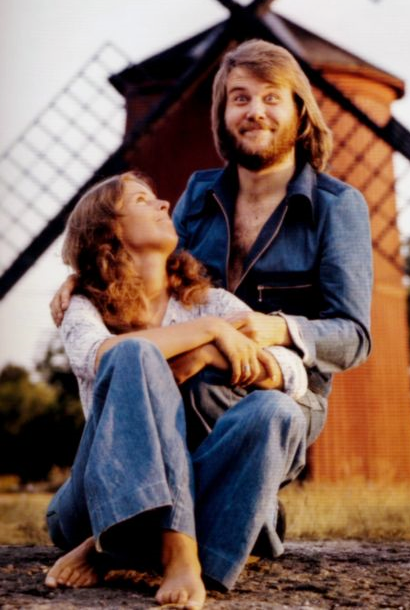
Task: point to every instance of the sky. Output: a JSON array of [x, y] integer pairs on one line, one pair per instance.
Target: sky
[[43, 43]]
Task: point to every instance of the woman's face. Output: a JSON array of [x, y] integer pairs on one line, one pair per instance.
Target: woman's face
[[144, 222]]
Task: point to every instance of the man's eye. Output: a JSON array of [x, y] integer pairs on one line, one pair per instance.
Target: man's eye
[[240, 99], [272, 98]]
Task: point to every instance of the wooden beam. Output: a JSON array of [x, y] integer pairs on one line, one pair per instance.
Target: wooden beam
[[260, 6], [231, 5], [256, 6]]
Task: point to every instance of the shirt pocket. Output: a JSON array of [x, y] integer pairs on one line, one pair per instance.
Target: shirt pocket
[[295, 299]]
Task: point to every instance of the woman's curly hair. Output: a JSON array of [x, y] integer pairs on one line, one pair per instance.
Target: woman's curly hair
[[105, 271]]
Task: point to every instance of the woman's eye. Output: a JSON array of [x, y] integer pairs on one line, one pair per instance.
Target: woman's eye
[[241, 99], [272, 98]]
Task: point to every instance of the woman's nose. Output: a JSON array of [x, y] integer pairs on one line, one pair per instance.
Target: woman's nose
[[163, 204]]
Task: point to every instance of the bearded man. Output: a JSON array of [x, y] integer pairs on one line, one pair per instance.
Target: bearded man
[[291, 241]]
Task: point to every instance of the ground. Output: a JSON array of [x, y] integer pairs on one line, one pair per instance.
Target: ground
[[330, 574]]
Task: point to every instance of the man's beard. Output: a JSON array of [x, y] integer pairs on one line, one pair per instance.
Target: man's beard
[[282, 143]]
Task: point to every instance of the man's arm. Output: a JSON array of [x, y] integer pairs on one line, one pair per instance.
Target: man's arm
[[340, 337]]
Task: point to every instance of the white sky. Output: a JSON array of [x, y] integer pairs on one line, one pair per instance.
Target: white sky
[[43, 43]]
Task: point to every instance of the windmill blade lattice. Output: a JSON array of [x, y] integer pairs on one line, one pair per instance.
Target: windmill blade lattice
[[58, 152]]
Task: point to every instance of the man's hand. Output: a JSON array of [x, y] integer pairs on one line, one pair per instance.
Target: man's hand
[[61, 299], [263, 329]]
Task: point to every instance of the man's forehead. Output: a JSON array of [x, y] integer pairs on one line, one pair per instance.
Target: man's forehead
[[242, 78]]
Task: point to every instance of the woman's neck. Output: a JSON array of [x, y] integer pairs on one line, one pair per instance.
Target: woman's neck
[[151, 268]]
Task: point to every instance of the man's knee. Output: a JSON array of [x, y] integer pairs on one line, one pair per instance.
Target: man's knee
[[275, 412]]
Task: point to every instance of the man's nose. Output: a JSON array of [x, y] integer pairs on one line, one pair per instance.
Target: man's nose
[[256, 109]]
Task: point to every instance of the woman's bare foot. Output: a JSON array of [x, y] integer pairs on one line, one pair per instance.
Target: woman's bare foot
[[182, 584], [75, 569]]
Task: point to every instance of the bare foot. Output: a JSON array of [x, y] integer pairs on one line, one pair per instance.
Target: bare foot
[[182, 584], [75, 569]]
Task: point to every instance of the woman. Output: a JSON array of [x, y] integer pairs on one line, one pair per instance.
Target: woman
[[145, 317]]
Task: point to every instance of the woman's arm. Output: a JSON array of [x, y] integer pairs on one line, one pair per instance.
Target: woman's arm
[[86, 339], [189, 364]]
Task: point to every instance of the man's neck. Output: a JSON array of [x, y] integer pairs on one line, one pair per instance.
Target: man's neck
[[257, 186]]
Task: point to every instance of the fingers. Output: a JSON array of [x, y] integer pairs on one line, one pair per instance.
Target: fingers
[[59, 304], [56, 312], [242, 355], [268, 362], [237, 320], [245, 366], [250, 371], [61, 299]]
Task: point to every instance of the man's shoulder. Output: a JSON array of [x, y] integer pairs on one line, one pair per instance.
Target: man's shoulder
[[204, 179], [339, 200], [333, 186], [206, 175]]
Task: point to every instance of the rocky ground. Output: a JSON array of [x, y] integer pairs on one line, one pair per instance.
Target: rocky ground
[[329, 574]]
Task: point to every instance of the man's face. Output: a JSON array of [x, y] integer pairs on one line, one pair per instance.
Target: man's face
[[261, 121]]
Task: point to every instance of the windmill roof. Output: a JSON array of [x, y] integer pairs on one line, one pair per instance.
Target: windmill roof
[[162, 70]]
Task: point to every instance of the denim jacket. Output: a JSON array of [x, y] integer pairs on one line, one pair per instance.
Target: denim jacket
[[312, 262]]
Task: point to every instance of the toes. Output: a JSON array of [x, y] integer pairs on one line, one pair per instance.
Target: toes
[[178, 597], [193, 605], [51, 582], [64, 577]]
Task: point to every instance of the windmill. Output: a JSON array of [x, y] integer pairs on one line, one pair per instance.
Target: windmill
[[167, 98]]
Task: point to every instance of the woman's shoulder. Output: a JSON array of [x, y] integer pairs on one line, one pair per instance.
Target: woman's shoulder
[[81, 305], [223, 301]]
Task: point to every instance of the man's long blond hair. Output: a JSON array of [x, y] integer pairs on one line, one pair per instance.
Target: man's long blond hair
[[272, 63]]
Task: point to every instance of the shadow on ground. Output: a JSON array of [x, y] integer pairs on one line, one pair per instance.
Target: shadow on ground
[[310, 575]]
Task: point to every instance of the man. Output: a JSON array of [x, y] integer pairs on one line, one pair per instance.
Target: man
[[287, 239]]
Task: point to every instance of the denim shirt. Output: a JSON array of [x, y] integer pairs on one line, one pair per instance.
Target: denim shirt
[[312, 262]]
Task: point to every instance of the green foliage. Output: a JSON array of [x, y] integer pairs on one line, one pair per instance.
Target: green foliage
[[40, 417]]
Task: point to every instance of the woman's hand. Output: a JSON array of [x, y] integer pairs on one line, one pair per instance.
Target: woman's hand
[[264, 329], [246, 359], [190, 363], [272, 379], [61, 299]]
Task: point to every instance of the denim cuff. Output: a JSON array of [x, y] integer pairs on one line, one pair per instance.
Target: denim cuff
[[302, 337], [295, 381]]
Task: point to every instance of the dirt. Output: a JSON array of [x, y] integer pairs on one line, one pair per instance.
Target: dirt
[[329, 574]]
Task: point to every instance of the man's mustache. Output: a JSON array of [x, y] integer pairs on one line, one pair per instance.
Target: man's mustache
[[255, 125]]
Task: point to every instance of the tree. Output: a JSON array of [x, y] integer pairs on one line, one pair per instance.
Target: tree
[[40, 420]]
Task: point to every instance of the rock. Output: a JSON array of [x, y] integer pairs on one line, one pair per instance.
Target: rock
[[309, 576]]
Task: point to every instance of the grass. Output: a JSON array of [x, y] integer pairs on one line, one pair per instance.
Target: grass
[[355, 510], [348, 510], [23, 518]]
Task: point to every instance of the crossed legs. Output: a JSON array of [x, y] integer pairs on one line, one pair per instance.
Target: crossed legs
[[133, 459]]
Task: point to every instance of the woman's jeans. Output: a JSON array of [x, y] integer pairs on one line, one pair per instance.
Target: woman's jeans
[[133, 474]]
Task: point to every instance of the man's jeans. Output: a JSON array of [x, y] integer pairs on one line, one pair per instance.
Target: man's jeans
[[134, 475]]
